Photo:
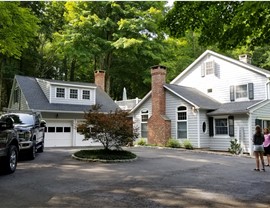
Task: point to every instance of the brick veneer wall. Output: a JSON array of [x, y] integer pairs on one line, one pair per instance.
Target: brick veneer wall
[[100, 78], [159, 126]]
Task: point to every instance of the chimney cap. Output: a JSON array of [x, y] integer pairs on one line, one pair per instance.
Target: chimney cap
[[159, 66], [100, 71]]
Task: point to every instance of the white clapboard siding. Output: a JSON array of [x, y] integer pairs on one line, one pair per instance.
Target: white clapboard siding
[[228, 74], [22, 104], [45, 86], [172, 103], [204, 136]]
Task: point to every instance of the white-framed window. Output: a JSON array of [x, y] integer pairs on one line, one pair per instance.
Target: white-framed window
[[60, 92], [209, 67], [221, 126], [73, 93], [86, 94], [144, 122], [182, 122], [241, 91]]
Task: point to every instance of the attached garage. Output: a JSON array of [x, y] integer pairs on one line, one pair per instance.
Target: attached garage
[[59, 133]]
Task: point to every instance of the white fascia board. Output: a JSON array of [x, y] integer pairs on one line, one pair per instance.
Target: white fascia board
[[234, 61], [189, 67], [258, 105]]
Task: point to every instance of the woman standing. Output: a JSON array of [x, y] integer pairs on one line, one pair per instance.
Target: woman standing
[[258, 139], [266, 145]]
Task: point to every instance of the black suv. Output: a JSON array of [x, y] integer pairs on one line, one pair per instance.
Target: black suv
[[9, 146], [30, 131]]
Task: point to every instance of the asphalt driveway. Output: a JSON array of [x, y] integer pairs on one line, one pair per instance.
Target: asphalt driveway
[[158, 178]]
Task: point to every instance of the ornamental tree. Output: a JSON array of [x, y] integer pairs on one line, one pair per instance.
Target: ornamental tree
[[112, 130]]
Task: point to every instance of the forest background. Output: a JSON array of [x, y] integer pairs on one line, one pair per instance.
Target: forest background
[[70, 40]]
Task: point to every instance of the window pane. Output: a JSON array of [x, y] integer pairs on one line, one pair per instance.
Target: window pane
[[73, 93], [51, 129], [144, 130], [66, 129], [182, 108], [221, 126], [59, 129], [241, 91], [144, 118], [182, 130], [182, 116], [60, 92], [86, 95]]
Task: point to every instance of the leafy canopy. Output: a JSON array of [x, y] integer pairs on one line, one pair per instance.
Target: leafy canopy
[[227, 24]]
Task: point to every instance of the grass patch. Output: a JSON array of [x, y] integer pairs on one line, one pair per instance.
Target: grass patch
[[105, 154]]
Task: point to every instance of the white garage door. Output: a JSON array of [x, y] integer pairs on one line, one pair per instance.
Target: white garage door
[[58, 134]]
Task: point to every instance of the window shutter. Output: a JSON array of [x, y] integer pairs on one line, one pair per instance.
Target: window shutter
[[231, 126], [211, 126], [250, 91], [203, 70], [232, 93], [258, 122]]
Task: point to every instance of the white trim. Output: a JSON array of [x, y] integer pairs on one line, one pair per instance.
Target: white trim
[[234, 61], [176, 119], [258, 105], [72, 85], [198, 129], [250, 133]]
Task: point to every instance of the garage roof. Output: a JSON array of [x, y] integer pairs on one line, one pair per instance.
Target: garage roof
[[37, 100]]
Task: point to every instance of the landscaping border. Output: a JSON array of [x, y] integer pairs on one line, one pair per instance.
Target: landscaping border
[[103, 161]]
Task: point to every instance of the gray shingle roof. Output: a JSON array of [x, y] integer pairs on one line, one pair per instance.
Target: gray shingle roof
[[37, 100], [234, 108], [194, 96]]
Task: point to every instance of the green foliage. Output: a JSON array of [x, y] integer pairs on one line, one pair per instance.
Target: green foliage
[[141, 142], [235, 147], [102, 154], [18, 28], [173, 143], [187, 144], [226, 24], [112, 130]]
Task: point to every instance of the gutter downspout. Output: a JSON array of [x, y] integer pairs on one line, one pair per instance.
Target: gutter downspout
[[198, 128], [250, 133]]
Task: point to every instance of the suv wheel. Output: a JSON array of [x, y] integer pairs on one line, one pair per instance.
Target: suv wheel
[[11, 159], [32, 152]]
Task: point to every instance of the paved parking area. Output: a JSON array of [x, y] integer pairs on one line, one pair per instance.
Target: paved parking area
[[158, 178]]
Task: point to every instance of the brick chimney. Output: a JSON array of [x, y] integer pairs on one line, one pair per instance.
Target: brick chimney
[[159, 126], [100, 79]]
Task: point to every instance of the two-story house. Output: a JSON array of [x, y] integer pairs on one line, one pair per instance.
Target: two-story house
[[62, 104], [215, 99]]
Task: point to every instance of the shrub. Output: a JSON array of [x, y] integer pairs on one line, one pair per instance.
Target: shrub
[[187, 144], [235, 147], [112, 130], [173, 143], [141, 142], [103, 154]]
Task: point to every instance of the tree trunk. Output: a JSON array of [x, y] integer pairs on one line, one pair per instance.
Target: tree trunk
[[65, 68], [72, 70]]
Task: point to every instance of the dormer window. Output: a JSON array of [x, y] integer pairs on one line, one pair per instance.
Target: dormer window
[[60, 92], [86, 95], [73, 93]]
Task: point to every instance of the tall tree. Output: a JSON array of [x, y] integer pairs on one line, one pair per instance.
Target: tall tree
[[227, 24], [18, 26]]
